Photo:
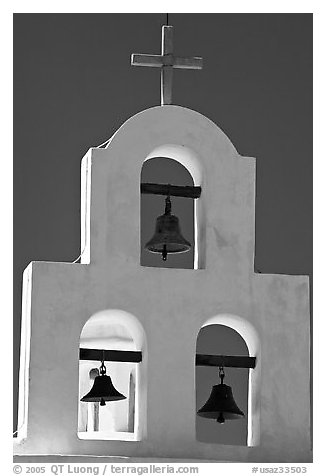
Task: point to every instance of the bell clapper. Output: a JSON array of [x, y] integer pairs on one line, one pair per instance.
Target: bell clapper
[[221, 418], [164, 253]]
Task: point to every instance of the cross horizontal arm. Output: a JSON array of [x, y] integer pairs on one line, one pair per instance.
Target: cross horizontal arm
[[155, 61], [243, 362], [173, 190], [188, 63], [110, 355]]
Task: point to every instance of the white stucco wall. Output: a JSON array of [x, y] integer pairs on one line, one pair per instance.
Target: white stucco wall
[[62, 297]]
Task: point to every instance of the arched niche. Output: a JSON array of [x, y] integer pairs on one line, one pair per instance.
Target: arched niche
[[229, 335], [120, 420], [175, 165]]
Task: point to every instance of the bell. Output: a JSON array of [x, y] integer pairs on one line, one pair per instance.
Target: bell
[[103, 389], [221, 405], [167, 237]]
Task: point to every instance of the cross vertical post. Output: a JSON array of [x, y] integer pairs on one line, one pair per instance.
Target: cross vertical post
[[167, 69]]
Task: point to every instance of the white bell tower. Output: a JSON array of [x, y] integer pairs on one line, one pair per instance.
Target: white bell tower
[[109, 302]]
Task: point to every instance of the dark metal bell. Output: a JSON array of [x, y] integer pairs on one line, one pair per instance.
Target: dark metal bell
[[103, 390], [221, 405], [167, 237]]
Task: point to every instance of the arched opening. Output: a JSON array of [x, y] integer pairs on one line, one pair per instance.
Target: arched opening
[[113, 330], [228, 335], [173, 165]]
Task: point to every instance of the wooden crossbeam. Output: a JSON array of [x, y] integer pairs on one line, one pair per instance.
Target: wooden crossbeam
[[110, 355], [173, 190], [243, 362], [136, 357], [167, 62]]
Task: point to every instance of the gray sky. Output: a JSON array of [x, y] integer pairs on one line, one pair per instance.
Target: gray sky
[[74, 86]]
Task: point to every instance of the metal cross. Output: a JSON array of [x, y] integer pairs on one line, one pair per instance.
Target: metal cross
[[166, 61]]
